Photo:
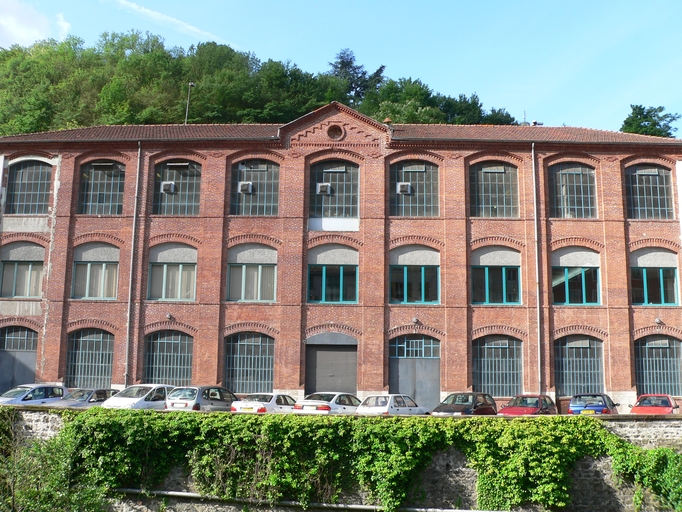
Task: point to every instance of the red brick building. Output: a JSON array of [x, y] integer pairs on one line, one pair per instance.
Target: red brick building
[[339, 252]]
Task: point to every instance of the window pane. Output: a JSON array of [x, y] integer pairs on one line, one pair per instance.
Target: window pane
[[592, 285], [22, 280], [94, 289], [512, 285], [478, 285], [235, 282], [414, 284], [397, 285], [669, 286], [8, 270], [431, 284], [350, 284], [111, 281], [156, 287], [172, 281], [637, 279], [575, 286], [495, 284], [251, 282], [80, 280], [187, 290], [267, 283], [653, 286], [315, 283], [332, 284], [559, 285]]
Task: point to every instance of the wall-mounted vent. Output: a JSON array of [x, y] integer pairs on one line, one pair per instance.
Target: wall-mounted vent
[[324, 188], [245, 187], [404, 188], [168, 187]]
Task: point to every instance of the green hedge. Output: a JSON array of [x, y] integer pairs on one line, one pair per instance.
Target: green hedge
[[308, 459]]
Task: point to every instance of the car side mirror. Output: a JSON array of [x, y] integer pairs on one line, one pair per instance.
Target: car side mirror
[[617, 405], [630, 406]]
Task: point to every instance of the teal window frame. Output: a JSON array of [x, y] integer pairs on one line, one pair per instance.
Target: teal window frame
[[406, 283], [323, 289], [569, 274], [504, 285], [647, 294]]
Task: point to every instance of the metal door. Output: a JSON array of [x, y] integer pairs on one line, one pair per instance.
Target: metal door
[[16, 367], [416, 377], [331, 368]]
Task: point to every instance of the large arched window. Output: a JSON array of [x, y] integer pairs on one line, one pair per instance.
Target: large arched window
[[578, 365], [658, 365], [28, 188], [493, 190], [413, 189], [572, 191], [648, 190], [414, 275], [101, 188], [497, 365], [255, 188], [22, 269], [653, 276], [334, 196], [332, 274], [168, 358], [89, 359], [249, 362], [177, 188]]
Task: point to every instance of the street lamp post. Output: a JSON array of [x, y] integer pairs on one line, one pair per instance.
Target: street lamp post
[[189, 90]]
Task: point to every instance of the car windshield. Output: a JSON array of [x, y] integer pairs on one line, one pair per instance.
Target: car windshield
[[257, 398], [523, 401], [459, 399], [16, 392], [183, 394], [653, 401], [78, 394], [587, 400], [134, 392], [324, 397]]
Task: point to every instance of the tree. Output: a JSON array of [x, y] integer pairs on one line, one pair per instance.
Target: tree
[[358, 80], [649, 121]]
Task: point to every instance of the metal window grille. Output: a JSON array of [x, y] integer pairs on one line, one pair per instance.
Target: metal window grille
[[168, 358], [264, 200], [578, 365], [648, 190], [101, 188], [332, 283], [186, 179], [19, 339], [22, 279], [658, 365], [572, 191], [497, 366], [28, 188], [89, 359], [343, 200], [414, 283], [657, 286], [422, 201], [249, 362], [414, 346], [493, 190], [495, 285]]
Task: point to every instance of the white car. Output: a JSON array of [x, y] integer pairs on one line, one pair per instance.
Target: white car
[[33, 394], [328, 403], [200, 398], [264, 402], [140, 396], [385, 405]]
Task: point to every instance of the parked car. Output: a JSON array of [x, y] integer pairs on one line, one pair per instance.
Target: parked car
[[328, 403], [460, 404], [85, 398], [529, 404], [592, 403], [386, 405], [200, 398], [655, 404], [33, 394], [139, 396], [264, 402]]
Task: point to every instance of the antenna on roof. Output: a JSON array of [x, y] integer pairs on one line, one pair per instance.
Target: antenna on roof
[[525, 123]]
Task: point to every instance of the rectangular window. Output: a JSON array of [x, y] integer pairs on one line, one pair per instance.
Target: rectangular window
[[22, 278], [251, 283], [575, 285], [414, 284], [332, 283], [655, 286], [495, 285], [95, 281], [172, 281]]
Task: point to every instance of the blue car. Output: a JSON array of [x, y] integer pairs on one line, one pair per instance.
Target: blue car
[[592, 403]]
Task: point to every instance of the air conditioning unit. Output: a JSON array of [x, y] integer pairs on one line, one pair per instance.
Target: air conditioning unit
[[168, 187], [324, 188], [404, 188], [245, 187]]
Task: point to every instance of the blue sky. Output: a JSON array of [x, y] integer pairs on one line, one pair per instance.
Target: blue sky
[[578, 62]]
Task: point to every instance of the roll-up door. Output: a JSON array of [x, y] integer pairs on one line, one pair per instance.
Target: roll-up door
[[331, 368]]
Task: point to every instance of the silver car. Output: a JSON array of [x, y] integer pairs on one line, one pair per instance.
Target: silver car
[[200, 398], [85, 398], [386, 405], [264, 402], [328, 403], [33, 394], [139, 396]]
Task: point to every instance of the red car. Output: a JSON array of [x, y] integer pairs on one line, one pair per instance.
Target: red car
[[655, 404], [529, 404]]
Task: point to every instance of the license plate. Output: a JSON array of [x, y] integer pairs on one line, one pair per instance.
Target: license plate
[[456, 413], [247, 408], [179, 404], [310, 407], [587, 411]]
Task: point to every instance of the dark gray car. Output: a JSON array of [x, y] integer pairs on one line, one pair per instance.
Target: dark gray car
[[465, 404]]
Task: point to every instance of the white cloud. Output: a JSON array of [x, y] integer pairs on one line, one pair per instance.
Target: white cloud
[[169, 21], [21, 24], [64, 27]]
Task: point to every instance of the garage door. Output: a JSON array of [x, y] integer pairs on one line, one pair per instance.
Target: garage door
[[331, 368], [414, 369], [17, 357]]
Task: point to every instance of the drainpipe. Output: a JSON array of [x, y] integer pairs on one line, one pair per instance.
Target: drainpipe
[[133, 239], [538, 296]]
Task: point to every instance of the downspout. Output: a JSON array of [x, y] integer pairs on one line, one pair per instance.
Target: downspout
[[126, 376], [537, 265]]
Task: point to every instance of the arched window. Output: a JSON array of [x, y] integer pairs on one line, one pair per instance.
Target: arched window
[[493, 190], [658, 365], [653, 275], [413, 189], [648, 190], [255, 188], [414, 274], [497, 365], [101, 188], [249, 362], [572, 191], [578, 365], [177, 188], [332, 274], [334, 196], [89, 359], [28, 188], [252, 273], [22, 269], [168, 358], [575, 276], [95, 274], [172, 273], [495, 275]]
